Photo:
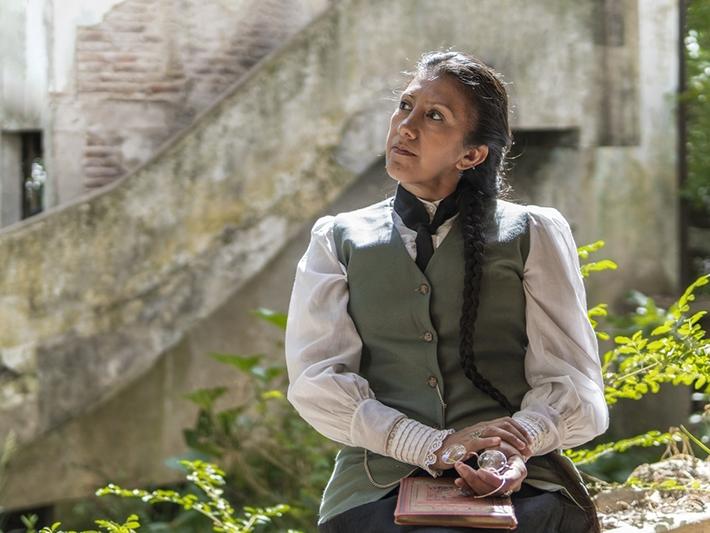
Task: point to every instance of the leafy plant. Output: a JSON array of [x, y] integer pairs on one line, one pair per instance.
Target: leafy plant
[[272, 454], [129, 526], [662, 346], [697, 59], [675, 352], [599, 310], [585, 456], [209, 479]]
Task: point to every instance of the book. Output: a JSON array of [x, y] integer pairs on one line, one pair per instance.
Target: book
[[425, 501]]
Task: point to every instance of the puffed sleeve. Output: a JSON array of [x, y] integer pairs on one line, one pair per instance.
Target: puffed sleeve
[[323, 351], [565, 406]]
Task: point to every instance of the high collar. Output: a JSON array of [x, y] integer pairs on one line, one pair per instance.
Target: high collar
[[430, 206]]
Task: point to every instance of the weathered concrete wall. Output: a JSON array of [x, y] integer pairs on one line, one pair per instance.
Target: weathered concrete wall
[[127, 439], [10, 178], [128, 74], [180, 240], [23, 76], [23, 93]]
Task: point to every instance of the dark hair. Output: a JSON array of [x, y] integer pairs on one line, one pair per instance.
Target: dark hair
[[480, 187]]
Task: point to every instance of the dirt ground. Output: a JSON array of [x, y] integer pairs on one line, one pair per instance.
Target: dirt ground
[[660, 503]]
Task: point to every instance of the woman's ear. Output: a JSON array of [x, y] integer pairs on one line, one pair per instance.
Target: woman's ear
[[473, 157]]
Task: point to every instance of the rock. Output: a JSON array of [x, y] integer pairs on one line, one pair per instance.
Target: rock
[[657, 505]]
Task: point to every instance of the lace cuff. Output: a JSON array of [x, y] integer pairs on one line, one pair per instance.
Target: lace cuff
[[537, 430], [415, 443], [434, 445]]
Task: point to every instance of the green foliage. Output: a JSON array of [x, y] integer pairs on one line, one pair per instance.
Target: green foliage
[[599, 310], [594, 266], [697, 100], [274, 317], [211, 503], [129, 526], [676, 352], [652, 438], [272, 455], [210, 480], [646, 316], [668, 484], [659, 346]]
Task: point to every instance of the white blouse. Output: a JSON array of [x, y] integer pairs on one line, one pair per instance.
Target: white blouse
[[564, 407]]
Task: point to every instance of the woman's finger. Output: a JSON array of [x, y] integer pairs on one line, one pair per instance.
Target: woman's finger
[[482, 482], [479, 481], [511, 426], [508, 450], [507, 436], [514, 475], [489, 478], [521, 429], [482, 443], [504, 489], [489, 483]]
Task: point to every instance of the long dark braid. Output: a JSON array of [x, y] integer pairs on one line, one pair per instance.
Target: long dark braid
[[474, 208], [481, 187]]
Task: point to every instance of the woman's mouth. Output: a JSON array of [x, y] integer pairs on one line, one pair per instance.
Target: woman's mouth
[[401, 151]]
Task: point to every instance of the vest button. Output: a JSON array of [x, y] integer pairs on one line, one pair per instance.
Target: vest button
[[423, 288], [432, 381], [428, 336]]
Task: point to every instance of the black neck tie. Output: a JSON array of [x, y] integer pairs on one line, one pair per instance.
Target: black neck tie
[[415, 216]]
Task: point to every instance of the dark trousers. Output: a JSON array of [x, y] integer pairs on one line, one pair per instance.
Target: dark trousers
[[537, 511]]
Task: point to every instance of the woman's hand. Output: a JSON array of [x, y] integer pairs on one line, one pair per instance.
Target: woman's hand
[[514, 438], [471, 443], [503, 434], [482, 482]]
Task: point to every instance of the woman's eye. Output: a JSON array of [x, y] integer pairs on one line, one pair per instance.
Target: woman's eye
[[433, 114]]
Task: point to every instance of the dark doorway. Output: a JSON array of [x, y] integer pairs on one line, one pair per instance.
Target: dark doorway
[[33, 174]]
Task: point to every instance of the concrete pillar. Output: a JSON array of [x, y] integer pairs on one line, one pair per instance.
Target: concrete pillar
[[10, 178]]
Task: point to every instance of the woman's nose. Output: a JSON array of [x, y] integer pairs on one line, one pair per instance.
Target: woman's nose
[[407, 128]]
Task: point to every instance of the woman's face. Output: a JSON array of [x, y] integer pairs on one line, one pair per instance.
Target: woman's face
[[424, 149]]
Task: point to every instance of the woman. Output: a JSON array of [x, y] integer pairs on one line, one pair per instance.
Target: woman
[[446, 316]]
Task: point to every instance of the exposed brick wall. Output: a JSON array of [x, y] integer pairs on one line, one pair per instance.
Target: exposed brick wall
[[126, 55], [102, 159], [149, 66]]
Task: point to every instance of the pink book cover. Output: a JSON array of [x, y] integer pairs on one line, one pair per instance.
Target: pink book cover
[[428, 501]]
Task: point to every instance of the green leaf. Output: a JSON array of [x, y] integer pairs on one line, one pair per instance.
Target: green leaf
[[267, 374], [626, 350], [697, 316], [205, 398], [655, 345], [244, 363], [271, 316], [272, 394]]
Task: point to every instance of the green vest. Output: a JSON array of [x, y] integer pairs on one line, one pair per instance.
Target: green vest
[[409, 325]]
